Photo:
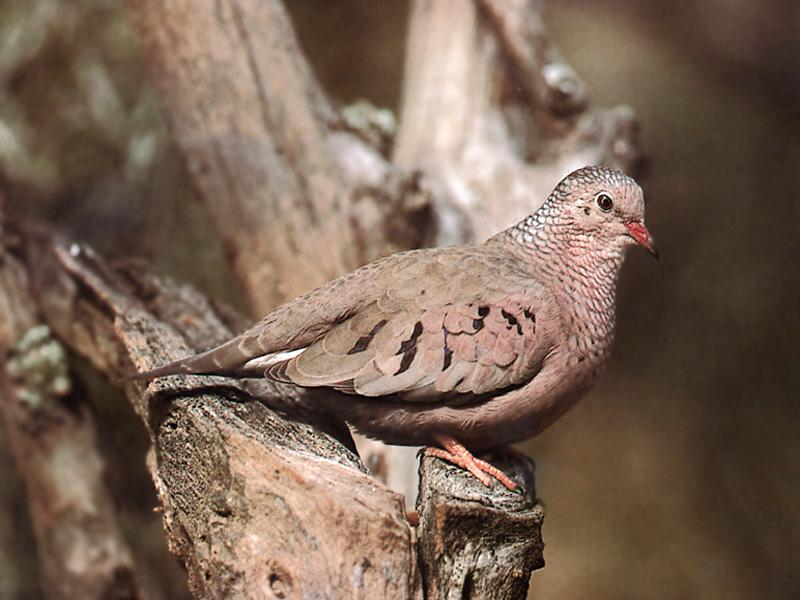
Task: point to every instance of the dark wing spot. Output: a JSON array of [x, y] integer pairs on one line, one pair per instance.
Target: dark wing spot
[[362, 342], [408, 348], [411, 342], [477, 324], [448, 358], [512, 321], [448, 352], [360, 345], [483, 311], [407, 359]]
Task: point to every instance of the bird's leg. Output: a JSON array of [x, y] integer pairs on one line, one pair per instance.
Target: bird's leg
[[453, 452]]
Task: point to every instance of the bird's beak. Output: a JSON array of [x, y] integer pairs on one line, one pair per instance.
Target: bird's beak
[[642, 236]]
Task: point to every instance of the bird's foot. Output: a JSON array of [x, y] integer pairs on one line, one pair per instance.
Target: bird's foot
[[453, 452]]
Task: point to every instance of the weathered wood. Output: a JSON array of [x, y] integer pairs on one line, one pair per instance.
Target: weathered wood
[[475, 542], [297, 194], [250, 123], [550, 85], [253, 504], [494, 116], [51, 435]]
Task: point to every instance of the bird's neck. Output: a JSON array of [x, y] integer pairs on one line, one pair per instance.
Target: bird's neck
[[580, 268]]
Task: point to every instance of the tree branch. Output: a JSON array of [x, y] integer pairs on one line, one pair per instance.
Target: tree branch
[[52, 438], [550, 85], [494, 116], [298, 195], [261, 143], [491, 118], [252, 503], [477, 543], [251, 152]]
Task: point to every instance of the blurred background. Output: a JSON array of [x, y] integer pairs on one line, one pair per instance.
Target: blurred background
[[679, 475]]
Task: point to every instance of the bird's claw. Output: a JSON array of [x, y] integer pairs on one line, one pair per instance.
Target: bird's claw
[[458, 455]]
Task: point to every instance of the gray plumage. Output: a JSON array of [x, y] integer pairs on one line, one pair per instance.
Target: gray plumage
[[486, 343]]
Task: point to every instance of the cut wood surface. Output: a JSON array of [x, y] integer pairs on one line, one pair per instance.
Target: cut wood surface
[[475, 543]]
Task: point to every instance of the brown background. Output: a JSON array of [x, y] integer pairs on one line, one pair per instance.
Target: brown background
[[678, 476]]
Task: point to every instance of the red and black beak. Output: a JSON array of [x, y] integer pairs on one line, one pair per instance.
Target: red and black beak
[[642, 236]]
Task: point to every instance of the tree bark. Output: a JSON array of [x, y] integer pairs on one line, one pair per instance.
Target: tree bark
[[477, 544], [52, 437], [258, 159], [494, 116], [491, 118], [253, 504], [261, 143], [298, 194]]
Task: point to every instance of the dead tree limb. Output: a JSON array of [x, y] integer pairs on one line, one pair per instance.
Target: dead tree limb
[[251, 150], [476, 545], [493, 115], [491, 118], [298, 194], [255, 128], [253, 504], [52, 438]]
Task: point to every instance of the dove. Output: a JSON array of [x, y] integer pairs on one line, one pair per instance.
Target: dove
[[462, 349]]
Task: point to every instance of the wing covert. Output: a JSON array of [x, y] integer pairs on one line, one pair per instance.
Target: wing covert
[[421, 349]]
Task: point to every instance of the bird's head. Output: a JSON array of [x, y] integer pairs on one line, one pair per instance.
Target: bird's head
[[603, 205]]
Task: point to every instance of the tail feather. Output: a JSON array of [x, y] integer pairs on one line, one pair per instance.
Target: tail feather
[[226, 359]]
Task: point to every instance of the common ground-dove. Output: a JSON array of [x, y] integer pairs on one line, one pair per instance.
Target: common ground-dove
[[477, 345]]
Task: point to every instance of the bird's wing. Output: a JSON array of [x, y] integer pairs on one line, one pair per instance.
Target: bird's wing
[[433, 334], [300, 322]]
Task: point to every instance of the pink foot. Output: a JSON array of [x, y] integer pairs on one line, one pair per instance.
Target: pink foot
[[458, 455]]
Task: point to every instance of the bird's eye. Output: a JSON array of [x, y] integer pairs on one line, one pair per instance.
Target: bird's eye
[[604, 201]]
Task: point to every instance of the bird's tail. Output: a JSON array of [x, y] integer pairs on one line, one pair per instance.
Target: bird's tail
[[225, 360]]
